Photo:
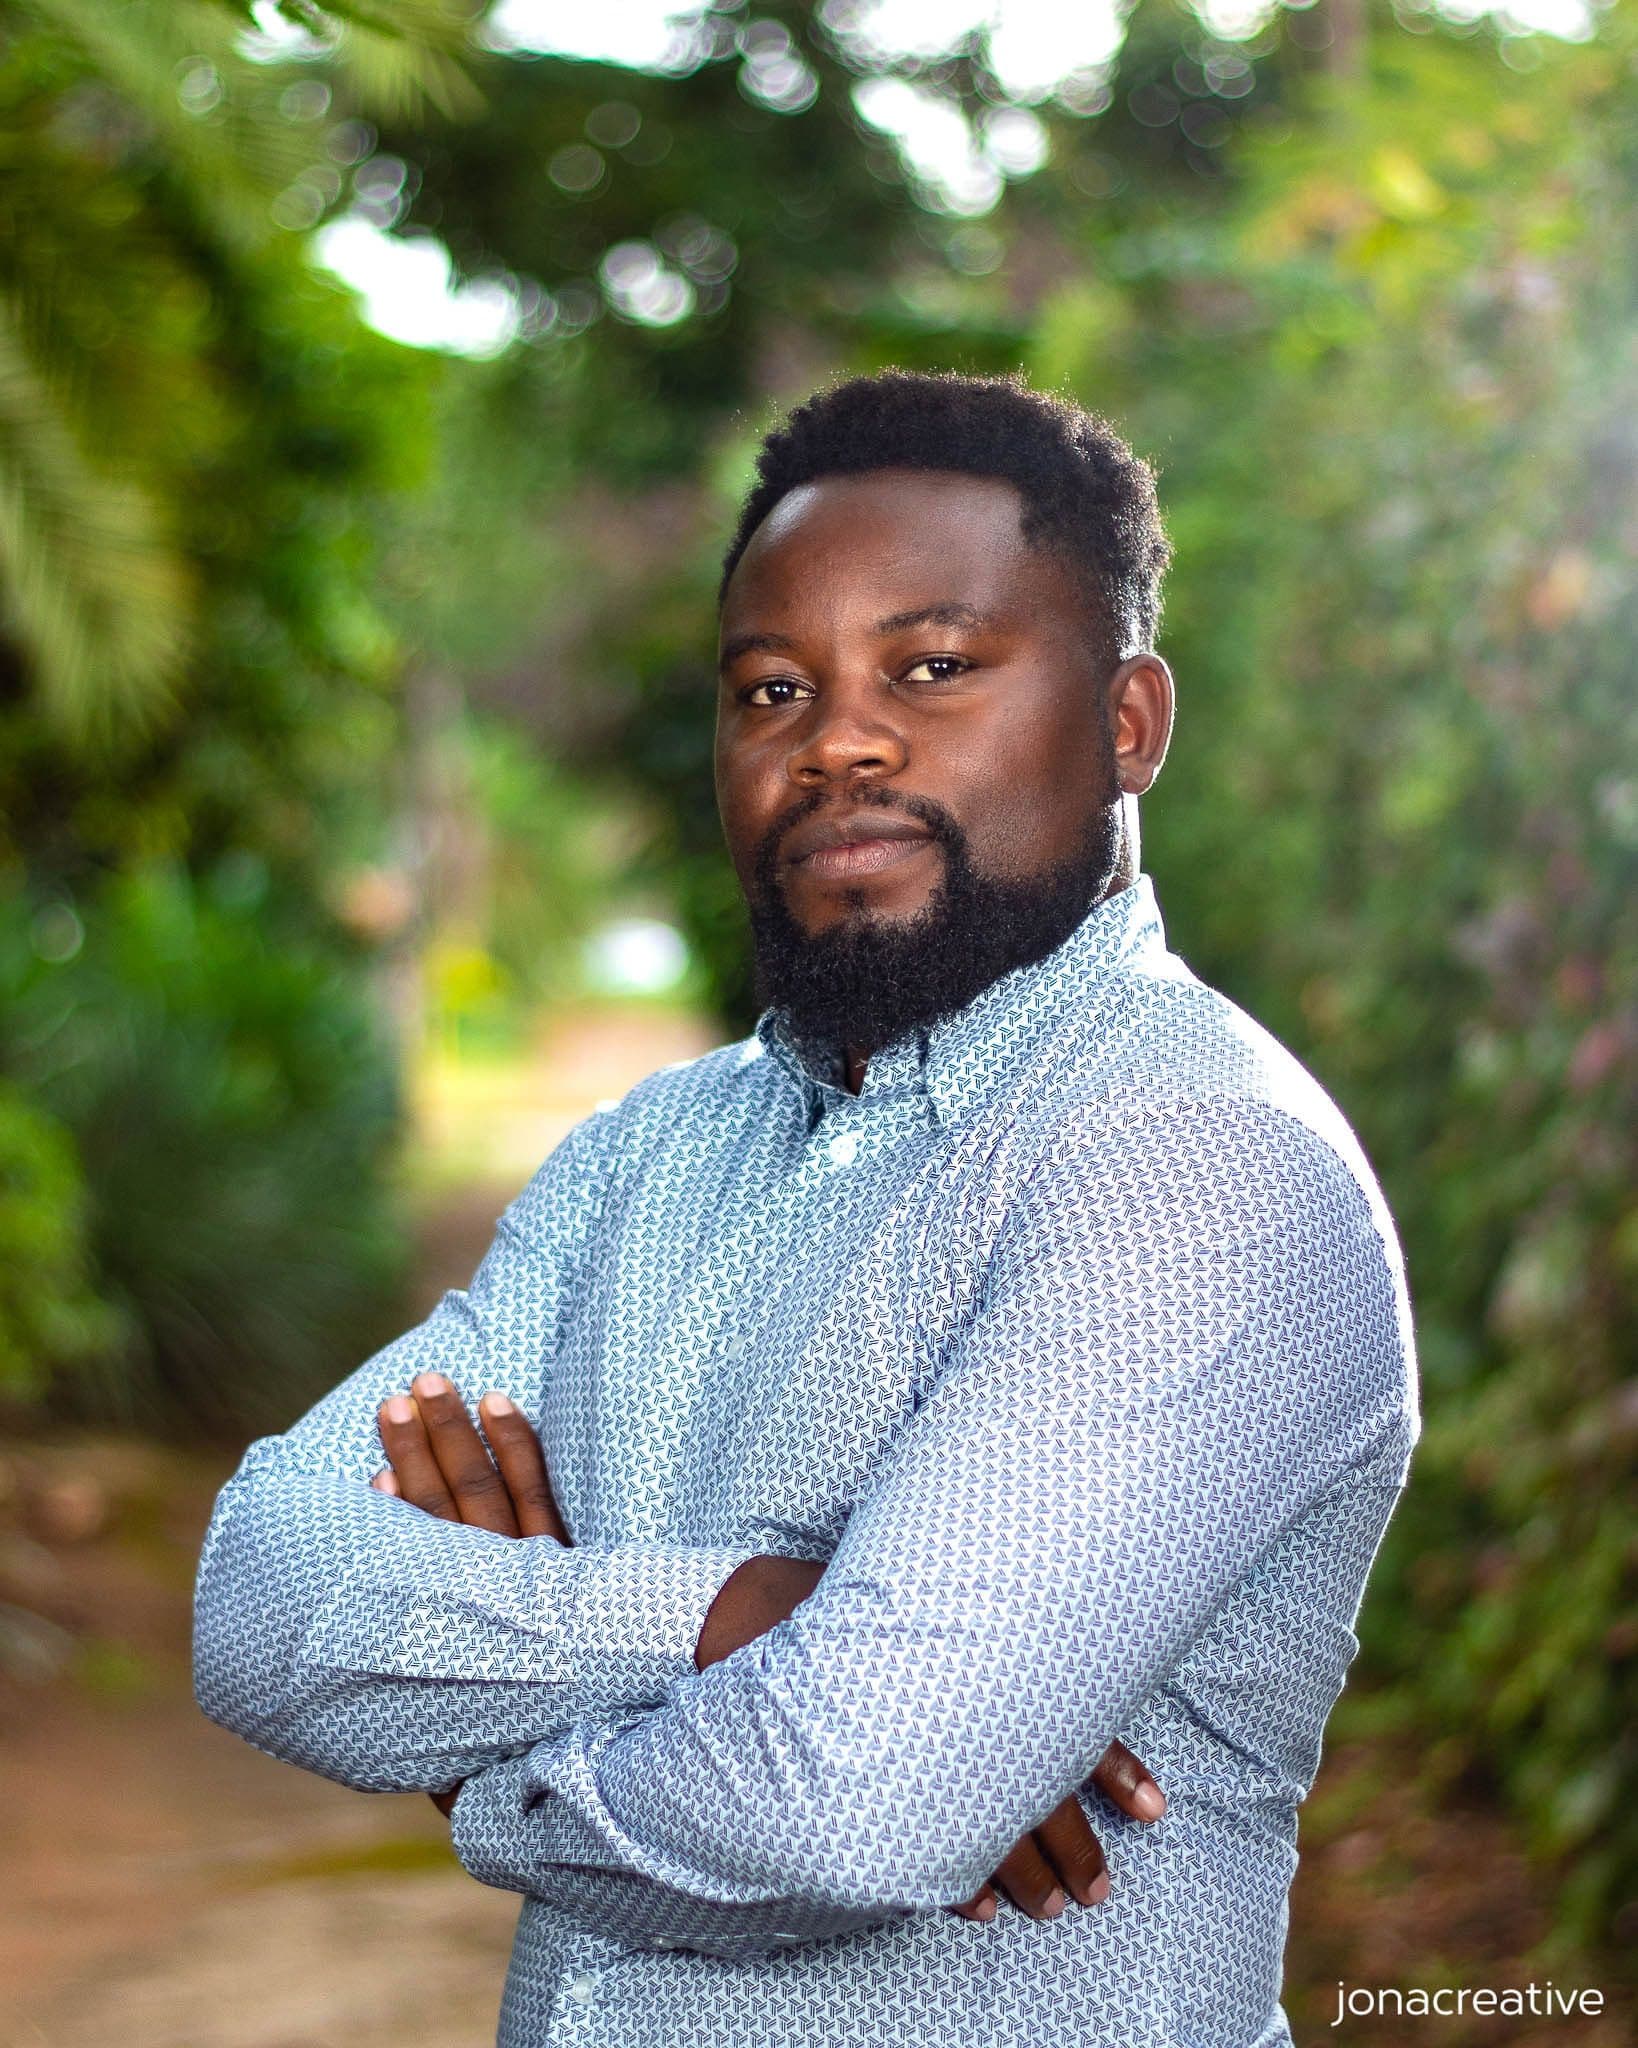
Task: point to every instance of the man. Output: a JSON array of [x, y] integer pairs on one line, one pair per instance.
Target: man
[[1003, 1351]]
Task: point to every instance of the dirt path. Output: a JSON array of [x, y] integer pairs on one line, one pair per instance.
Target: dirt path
[[167, 1887]]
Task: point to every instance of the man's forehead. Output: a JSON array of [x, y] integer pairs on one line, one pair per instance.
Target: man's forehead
[[916, 502], [889, 542]]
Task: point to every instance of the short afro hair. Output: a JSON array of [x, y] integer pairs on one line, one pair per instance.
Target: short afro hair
[[1086, 496]]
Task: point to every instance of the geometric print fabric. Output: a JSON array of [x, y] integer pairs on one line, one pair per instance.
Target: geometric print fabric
[[1077, 1346]]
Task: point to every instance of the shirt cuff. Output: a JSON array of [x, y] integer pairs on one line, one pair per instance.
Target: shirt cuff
[[512, 1830], [638, 1616], [487, 1827]]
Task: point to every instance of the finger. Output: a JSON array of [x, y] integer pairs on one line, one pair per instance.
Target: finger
[[981, 1906], [469, 1471], [386, 1481], [522, 1464], [1069, 1845], [1030, 1881], [1128, 1783], [404, 1439]]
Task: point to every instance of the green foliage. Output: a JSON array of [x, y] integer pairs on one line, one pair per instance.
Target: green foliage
[[90, 582], [543, 827], [398, 56], [192, 427], [196, 716], [233, 1107], [49, 1316]]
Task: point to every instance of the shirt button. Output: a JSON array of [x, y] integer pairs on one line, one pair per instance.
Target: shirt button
[[844, 1149], [583, 1989]]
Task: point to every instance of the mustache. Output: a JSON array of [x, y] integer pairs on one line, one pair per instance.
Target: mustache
[[933, 817]]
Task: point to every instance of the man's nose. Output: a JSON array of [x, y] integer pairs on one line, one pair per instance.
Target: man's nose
[[847, 730]]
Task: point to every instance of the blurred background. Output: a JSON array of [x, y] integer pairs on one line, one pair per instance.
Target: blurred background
[[377, 383]]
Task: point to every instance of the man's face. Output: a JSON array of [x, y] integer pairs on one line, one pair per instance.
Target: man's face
[[892, 651]]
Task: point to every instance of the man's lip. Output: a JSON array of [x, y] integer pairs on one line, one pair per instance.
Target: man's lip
[[823, 834], [856, 858]]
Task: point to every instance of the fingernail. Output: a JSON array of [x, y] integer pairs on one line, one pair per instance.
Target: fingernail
[[400, 1409], [985, 1909], [430, 1385], [1053, 1904], [1149, 1801], [497, 1404], [1098, 1890]]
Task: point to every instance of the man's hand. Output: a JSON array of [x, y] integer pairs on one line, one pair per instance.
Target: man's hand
[[438, 1461], [440, 1464], [1060, 1855]]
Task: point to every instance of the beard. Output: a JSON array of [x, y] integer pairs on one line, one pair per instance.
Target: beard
[[867, 981]]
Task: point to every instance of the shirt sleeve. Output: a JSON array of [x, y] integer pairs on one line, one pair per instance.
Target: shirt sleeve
[[1191, 1331], [350, 1633]]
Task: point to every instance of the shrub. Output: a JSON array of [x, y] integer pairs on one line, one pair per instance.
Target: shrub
[[233, 1109], [50, 1316]]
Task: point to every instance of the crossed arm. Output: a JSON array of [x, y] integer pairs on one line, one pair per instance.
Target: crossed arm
[[391, 1651], [439, 1464], [1171, 1366]]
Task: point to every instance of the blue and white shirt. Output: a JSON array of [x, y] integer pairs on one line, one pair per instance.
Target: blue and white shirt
[[1077, 1343]]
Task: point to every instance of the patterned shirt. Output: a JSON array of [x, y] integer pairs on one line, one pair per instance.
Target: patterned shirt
[[1077, 1345]]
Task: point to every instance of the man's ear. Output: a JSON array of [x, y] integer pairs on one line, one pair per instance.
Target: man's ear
[[1142, 703]]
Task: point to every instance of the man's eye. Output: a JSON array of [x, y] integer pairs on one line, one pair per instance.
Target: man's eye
[[946, 666], [748, 694]]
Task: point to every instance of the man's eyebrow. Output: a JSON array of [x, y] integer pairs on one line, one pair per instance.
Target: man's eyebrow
[[950, 613], [753, 643]]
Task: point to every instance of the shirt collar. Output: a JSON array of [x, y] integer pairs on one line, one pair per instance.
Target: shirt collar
[[963, 1062]]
